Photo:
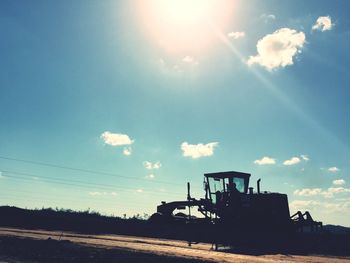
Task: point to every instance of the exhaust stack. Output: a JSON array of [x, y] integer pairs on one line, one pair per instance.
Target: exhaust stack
[[188, 191], [258, 185]]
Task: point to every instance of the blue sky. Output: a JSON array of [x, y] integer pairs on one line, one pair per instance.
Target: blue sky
[[126, 90]]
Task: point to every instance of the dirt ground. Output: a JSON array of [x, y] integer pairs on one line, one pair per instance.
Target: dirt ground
[[18, 245]]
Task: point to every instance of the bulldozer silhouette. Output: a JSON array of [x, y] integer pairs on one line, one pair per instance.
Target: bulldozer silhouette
[[233, 213]]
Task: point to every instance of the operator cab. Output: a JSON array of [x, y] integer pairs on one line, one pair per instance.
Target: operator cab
[[220, 183]]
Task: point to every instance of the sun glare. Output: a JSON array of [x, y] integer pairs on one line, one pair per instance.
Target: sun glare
[[184, 25]]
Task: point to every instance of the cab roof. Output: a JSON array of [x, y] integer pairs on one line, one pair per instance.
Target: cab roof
[[229, 174]]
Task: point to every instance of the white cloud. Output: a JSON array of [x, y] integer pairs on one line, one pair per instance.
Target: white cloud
[[323, 23], [333, 169], [150, 176], [278, 49], [292, 161], [339, 182], [139, 190], [149, 165], [308, 191], [127, 151], [116, 139], [236, 35], [267, 17], [305, 157], [157, 165], [198, 150], [265, 160]]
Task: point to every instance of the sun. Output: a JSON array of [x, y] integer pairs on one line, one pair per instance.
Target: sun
[[184, 25]]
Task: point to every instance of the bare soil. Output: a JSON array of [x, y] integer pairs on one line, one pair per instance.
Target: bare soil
[[20, 245]]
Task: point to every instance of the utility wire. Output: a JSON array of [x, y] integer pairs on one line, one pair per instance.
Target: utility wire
[[56, 181], [43, 197], [85, 170], [109, 186]]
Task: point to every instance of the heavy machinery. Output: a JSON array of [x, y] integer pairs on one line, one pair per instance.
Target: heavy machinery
[[232, 211]]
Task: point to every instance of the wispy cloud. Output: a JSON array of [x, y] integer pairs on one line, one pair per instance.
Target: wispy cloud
[[149, 165], [96, 193], [265, 161], [308, 191], [139, 191], [339, 182], [278, 49], [116, 139], [267, 17], [198, 150], [333, 169], [150, 176], [323, 23], [236, 35], [190, 60], [292, 161], [168, 68], [305, 157], [302, 204]]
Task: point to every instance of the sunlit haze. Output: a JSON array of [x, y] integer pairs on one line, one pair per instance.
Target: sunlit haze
[[184, 25]]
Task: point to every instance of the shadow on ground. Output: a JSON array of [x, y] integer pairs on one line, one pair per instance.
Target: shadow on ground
[[31, 250]]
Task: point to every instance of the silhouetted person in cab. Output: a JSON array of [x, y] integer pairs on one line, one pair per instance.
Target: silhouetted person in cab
[[234, 200]]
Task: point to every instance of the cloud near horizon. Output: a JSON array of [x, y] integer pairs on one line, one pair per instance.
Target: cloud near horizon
[[323, 23], [198, 150], [329, 207], [265, 161], [278, 49], [329, 193], [339, 182]]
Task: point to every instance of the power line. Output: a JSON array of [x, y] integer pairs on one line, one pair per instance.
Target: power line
[[76, 183], [85, 186], [42, 197], [85, 170]]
